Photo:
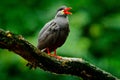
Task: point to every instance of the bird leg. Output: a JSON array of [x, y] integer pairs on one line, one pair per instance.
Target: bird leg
[[48, 51], [55, 55]]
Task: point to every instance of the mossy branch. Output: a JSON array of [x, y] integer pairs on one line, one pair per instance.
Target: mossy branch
[[36, 58]]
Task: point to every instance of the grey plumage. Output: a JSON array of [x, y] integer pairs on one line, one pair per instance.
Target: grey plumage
[[55, 32]]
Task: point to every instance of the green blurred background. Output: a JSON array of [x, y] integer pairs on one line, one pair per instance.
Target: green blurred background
[[94, 36]]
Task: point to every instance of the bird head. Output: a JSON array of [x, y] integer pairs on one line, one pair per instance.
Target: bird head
[[63, 11]]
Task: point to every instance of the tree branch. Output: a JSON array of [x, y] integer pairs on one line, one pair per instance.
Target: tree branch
[[72, 66]]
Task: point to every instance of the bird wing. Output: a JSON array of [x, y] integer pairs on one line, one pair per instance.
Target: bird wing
[[45, 27], [48, 35]]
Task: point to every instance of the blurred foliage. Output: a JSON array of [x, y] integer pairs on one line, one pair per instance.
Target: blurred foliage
[[94, 36]]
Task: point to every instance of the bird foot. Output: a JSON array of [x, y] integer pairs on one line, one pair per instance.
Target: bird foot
[[54, 55], [58, 57]]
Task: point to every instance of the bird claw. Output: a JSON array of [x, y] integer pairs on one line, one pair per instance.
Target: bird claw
[[54, 55], [58, 57]]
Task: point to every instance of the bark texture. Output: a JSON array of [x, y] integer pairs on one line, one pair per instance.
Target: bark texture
[[36, 58]]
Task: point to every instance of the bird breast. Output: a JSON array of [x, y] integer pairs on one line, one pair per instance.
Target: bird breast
[[62, 22], [63, 31]]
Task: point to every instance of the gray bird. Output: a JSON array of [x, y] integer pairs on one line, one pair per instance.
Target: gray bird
[[55, 32]]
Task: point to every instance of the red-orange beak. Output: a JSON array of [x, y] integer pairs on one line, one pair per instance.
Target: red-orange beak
[[66, 10]]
